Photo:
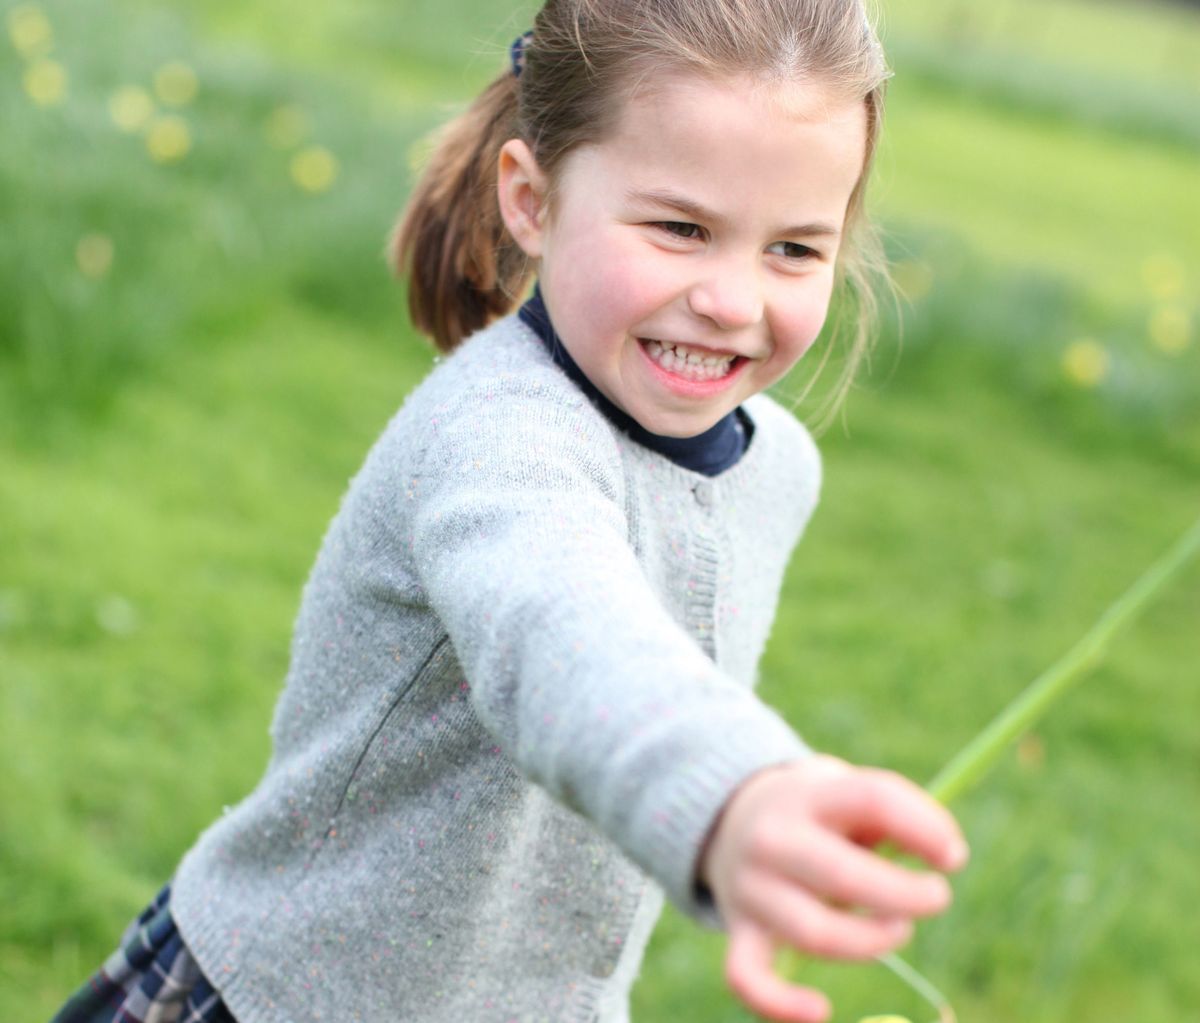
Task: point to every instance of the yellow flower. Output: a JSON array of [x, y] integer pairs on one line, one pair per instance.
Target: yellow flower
[[175, 84], [168, 139], [885, 1019], [1163, 276], [913, 278], [30, 31], [1085, 362], [94, 255], [46, 82], [1170, 329], [130, 108], [286, 127], [314, 169]]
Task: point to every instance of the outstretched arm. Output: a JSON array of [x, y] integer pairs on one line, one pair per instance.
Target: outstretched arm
[[575, 665]]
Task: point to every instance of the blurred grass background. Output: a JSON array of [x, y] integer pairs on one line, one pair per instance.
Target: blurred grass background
[[199, 340]]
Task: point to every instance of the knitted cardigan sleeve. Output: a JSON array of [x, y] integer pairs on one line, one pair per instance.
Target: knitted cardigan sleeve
[[521, 543]]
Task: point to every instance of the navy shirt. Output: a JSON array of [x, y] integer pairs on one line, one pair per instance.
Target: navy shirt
[[708, 453]]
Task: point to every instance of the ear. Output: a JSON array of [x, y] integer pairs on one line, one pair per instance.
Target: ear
[[522, 189]]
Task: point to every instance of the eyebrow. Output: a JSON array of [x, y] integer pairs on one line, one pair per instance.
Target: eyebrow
[[697, 211]]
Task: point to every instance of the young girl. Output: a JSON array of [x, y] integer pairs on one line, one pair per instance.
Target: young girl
[[519, 709]]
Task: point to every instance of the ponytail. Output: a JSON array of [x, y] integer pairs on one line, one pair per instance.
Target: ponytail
[[462, 266]]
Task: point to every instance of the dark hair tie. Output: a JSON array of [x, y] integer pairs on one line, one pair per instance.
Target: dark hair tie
[[517, 52]]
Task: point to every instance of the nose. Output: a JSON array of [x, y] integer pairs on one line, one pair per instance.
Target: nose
[[730, 295]]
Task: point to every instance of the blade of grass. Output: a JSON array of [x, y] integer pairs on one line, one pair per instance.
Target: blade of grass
[[967, 767], [921, 985]]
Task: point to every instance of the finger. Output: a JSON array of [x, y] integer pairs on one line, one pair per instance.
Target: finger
[[873, 805], [841, 871], [749, 973], [803, 921]]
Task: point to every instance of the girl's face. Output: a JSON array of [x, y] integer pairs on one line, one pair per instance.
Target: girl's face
[[687, 261]]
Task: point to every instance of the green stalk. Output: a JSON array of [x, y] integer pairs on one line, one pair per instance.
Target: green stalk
[[982, 752], [979, 755], [921, 985], [966, 768]]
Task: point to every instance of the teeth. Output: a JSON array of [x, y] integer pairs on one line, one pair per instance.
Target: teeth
[[689, 362]]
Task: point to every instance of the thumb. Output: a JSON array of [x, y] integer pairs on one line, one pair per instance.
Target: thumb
[[750, 974]]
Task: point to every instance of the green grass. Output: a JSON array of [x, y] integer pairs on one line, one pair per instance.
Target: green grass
[[1145, 43], [1077, 201], [175, 435], [145, 619], [180, 233]]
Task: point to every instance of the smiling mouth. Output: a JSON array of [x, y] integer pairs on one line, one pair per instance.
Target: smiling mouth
[[690, 363]]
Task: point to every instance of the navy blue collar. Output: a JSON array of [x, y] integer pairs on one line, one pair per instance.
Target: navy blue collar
[[708, 453]]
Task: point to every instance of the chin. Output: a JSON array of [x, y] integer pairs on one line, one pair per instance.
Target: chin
[[678, 426]]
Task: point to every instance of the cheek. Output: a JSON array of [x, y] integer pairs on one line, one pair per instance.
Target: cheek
[[799, 325], [810, 326], [613, 282]]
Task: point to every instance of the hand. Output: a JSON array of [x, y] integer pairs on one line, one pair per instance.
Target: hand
[[789, 862]]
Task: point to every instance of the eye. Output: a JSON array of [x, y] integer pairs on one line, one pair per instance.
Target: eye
[[792, 250], [681, 229]]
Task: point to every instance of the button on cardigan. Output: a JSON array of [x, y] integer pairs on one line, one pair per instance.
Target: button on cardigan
[[520, 692]]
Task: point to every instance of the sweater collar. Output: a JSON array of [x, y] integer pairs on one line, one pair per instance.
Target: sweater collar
[[708, 453]]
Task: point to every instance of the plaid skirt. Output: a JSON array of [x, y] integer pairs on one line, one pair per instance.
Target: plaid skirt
[[151, 978]]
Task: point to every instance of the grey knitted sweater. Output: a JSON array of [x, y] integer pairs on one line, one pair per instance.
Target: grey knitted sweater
[[520, 692]]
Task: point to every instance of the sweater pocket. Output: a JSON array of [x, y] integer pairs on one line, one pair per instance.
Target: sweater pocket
[[384, 732]]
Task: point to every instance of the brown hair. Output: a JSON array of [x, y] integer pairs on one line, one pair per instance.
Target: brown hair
[[584, 59]]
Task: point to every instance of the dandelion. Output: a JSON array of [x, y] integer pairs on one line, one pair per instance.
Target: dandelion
[[1170, 329], [1163, 276], [314, 169], [168, 139], [94, 255], [286, 127], [30, 31], [885, 1019], [46, 82], [914, 278], [131, 108], [175, 84], [1086, 363]]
